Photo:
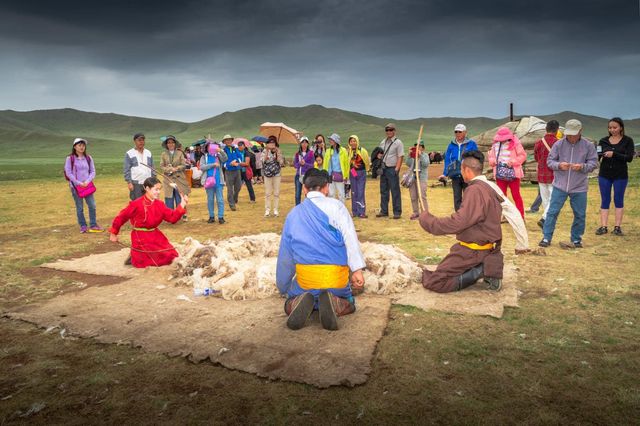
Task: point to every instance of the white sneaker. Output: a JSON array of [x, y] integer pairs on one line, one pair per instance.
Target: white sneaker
[[266, 213], [275, 212]]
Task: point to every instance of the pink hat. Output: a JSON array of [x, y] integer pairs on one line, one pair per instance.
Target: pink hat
[[503, 134]]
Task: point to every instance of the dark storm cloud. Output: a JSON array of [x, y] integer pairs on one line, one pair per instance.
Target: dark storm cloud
[[350, 54]]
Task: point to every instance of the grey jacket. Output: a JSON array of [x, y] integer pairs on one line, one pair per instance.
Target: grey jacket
[[204, 166], [424, 163], [582, 152]]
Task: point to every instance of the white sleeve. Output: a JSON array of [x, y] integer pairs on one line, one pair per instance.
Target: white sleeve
[[342, 221]]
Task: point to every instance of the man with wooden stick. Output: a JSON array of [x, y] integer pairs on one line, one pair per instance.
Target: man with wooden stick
[[418, 162], [477, 227]]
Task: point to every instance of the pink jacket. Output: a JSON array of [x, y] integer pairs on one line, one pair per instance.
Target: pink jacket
[[518, 156]]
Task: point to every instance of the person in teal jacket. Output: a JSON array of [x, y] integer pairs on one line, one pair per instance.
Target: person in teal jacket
[[336, 162]]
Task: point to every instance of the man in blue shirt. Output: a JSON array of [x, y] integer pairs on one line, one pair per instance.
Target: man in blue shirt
[[232, 171]]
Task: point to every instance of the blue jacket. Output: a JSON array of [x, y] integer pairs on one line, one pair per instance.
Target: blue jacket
[[454, 152], [308, 239], [232, 155]]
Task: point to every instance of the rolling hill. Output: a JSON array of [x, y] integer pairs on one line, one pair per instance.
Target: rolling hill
[[43, 137]]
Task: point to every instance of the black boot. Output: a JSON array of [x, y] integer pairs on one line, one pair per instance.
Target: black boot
[[469, 277]]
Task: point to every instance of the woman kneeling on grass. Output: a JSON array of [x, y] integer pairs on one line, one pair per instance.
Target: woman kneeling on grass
[[149, 246]]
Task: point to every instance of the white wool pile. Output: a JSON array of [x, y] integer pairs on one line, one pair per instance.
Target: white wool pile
[[236, 268], [245, 267], [389, 270]]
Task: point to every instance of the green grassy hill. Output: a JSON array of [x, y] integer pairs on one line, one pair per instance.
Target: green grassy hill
[[35, 142]]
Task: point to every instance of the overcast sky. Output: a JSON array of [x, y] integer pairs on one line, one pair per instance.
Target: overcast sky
[[188, 60]]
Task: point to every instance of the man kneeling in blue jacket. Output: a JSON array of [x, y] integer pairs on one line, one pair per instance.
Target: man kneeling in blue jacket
[[319, 250]]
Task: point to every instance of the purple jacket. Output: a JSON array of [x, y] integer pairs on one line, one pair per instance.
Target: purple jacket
[[81, 171], [582, 152], [309, 159]]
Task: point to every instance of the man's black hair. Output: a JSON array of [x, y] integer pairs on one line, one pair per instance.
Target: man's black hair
[[315, 179], [553, 126], [473, 160]]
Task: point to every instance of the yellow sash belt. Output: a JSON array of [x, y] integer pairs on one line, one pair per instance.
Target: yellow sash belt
[[136, 228], [474, 246], [311, 277]]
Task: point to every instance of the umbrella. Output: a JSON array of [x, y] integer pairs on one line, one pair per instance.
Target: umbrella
[[284, 133], [259, 139]]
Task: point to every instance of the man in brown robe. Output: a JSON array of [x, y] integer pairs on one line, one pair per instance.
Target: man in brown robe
[[477, 228]]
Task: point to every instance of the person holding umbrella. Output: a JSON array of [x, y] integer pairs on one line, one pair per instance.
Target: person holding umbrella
[[272, 162], [173, 163]]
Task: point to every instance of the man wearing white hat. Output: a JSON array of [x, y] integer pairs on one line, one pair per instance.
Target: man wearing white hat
[[572, 158], [453, 159]]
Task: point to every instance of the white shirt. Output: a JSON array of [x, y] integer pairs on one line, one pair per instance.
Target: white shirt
[[340, 219], [511, 213]]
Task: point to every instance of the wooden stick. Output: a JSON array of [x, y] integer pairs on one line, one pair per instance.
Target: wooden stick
[[417, 171]]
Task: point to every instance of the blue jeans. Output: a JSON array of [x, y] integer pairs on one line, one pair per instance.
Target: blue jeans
[[91, 203], [298, 189], [578, 202], [215, 195], [176, 198]]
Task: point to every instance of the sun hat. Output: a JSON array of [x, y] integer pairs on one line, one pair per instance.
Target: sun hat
[[227, 136], [335, 137], [460, 128], [390, 126], [421, 143], [572, 128], [77, 141], [166, 138], [503, 134]]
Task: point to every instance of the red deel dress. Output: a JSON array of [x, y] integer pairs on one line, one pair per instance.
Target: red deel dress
[[145, 216]]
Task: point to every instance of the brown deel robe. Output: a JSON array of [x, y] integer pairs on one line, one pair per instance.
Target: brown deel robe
[[477, 221]]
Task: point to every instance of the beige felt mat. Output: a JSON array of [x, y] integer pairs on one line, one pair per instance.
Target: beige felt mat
[[476, 299], [249, 336], [147, 311], [109, 263]]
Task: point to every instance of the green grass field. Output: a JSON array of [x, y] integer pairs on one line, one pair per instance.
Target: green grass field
[[570, 354]]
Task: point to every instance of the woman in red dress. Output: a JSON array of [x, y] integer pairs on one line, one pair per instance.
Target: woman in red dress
[[149, 246]]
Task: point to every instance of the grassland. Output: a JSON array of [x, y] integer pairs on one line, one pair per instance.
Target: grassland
[[568, 355], [35, 143]]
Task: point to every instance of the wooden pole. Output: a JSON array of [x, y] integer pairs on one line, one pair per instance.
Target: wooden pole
[[417, 170]]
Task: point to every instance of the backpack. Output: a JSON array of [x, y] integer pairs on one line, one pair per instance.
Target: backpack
[[73, 161]]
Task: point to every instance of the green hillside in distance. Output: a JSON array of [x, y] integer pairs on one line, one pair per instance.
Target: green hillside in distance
[[42, 138]]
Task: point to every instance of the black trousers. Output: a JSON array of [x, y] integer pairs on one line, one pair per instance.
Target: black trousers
[[458, 184], [390, 183]]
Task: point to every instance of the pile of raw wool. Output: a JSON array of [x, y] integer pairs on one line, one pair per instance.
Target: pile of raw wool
[[245, 267]]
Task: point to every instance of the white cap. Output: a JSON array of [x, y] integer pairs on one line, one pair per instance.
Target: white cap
[[460, 128], [304, 138], [79, 140], [572, 128]]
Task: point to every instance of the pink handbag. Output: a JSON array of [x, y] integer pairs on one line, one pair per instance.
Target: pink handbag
[[85, 191]]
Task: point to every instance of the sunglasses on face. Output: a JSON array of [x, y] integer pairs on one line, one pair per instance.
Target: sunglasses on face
[[389, 130], [458, 131]]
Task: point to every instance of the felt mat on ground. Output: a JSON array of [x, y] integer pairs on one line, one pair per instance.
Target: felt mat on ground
[[109, 263], [476, 299], [248, 335]]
